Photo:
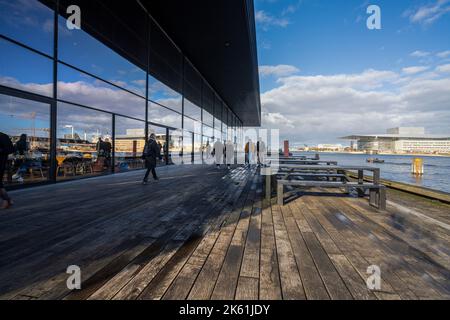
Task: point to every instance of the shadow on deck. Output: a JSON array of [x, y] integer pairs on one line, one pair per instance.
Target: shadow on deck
[[203, 233]]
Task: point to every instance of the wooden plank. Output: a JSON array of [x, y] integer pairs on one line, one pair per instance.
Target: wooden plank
[[247, 289], [312, 282], [291, 283], [270, 287]]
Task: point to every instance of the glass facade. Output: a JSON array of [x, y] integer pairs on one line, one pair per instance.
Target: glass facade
[[78, 108]]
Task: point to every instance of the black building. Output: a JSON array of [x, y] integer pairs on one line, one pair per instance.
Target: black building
[[185, 70]]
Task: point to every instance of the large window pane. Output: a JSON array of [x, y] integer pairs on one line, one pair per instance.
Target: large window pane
[[192, 110], [192, 125], [29, 22], [164, 95], [161, 115], [188, 145], [75, 86], [31, 120], [129, 144], [84, 142], [78, 48], [207, 147], [166, 69], [25, 70], [198, 148], [160, 133], [208, 118], [175, 146]]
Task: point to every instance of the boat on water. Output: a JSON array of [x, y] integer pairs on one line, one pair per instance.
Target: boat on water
[[374, 160]]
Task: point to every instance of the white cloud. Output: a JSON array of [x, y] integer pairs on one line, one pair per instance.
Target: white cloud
[[430, 13], [419, 54], [321, 108], [280, 70], [443, 54], [444, 68], [414, 70], [265, 20]]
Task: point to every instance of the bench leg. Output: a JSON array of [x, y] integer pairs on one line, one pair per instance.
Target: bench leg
[[382, 199], [377, 198], [280, 194]]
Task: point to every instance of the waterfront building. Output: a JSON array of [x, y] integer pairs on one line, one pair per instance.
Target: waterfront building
[[403, 140], [181, 71]]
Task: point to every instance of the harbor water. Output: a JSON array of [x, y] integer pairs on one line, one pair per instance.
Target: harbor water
[[398, 167]]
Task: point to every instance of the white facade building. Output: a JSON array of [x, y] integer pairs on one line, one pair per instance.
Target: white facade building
[[403, 140]]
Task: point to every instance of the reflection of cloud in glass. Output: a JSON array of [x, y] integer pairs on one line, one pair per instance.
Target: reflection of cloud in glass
[[85, 52], [158, 114], [19, 116], [85, 122]]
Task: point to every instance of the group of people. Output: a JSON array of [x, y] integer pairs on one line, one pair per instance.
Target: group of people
[[251, 150], [223, 153]]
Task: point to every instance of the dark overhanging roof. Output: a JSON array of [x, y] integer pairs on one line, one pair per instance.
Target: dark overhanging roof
[[218, 37]]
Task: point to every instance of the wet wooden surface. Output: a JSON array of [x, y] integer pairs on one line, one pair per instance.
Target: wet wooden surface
[[203, 233]]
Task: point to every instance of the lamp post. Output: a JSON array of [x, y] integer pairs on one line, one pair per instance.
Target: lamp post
[[71, 127]]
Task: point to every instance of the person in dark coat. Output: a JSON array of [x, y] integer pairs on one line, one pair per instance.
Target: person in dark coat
[[151, 153], [6, 148], [20, 149]]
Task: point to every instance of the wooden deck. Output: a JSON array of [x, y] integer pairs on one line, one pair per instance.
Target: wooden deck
[[203, 233]]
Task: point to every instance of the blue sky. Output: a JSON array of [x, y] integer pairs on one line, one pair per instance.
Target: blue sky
[[324, 74], [330, 36]]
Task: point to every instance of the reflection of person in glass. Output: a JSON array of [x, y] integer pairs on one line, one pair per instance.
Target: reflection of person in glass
[[21, 148], [208, 150], [218, 152], [152, 151], [6, 148], [107, 148]]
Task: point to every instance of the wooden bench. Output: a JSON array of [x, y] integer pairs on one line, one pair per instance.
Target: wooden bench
[[377, 192], [328, 176]]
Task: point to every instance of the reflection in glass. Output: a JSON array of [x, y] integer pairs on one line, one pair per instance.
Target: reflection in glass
[[29, 22], [208, 119], [129, 144], [84, 142], [164, 95], [160, 134], [83, 51], [23, 69], [188, 147], [78, 87], [192, 110], [192, 126], [164, 116], [176, 146], [207, 147], [198, 149], [31, 121]]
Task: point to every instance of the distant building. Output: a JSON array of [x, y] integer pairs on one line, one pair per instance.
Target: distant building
[[403, 140], [330, 147]]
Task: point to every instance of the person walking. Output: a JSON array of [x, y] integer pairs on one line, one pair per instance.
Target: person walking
[[218, 152], [229, 154], [152, 151], [6, 148], [261, 150]]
